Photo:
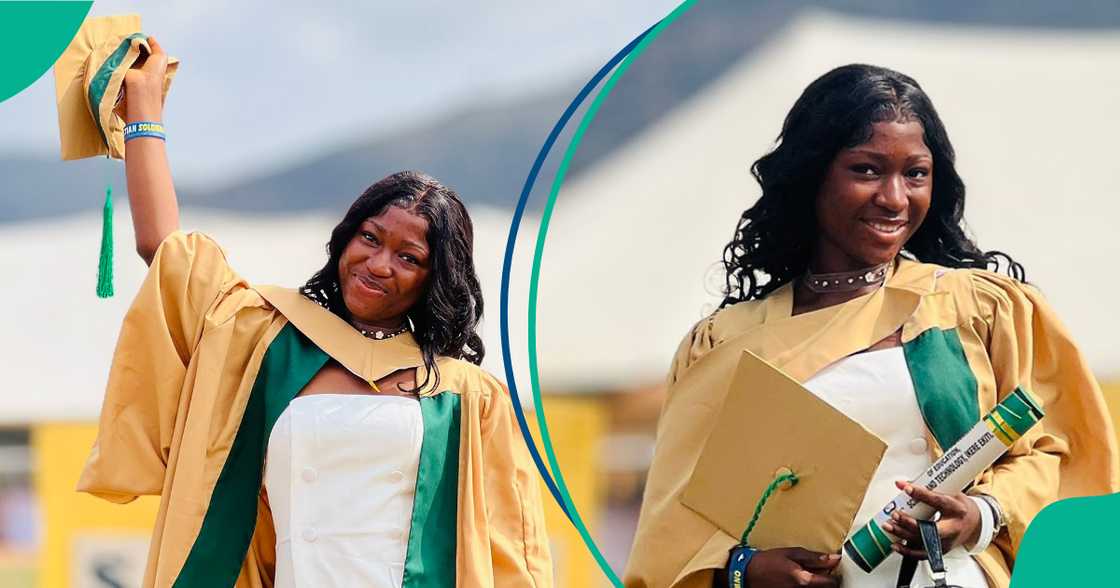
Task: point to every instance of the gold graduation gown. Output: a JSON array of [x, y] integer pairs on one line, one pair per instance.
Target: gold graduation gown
[[205, 364], [970, 337]]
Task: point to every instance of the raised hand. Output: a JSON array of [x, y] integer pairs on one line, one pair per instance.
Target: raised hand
[[143, 86]]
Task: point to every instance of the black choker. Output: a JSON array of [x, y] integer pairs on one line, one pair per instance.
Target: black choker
[[381, 334]]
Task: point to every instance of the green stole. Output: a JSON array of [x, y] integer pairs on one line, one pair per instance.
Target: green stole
[[944, 384]]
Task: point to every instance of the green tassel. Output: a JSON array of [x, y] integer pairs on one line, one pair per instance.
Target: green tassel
[[777, 481], [105, 263]]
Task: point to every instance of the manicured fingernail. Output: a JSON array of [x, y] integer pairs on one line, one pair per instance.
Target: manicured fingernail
[[804, 578], [888, 527], [834, 557], [908, 489], [896, 548]]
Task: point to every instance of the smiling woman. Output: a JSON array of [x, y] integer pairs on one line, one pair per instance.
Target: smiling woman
[[341, 434], [857, 245], [401, 259]]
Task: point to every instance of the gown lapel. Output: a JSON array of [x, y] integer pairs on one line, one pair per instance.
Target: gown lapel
[[804, 344], [369, 359]]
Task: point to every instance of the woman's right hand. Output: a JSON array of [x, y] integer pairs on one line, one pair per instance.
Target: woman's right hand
[[143, 86], [789, 567]]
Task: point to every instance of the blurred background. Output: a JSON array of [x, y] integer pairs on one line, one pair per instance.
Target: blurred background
[[279, 118]]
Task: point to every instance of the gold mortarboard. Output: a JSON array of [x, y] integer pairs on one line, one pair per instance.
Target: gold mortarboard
[[89, 81], [89, 84], [770, 424]]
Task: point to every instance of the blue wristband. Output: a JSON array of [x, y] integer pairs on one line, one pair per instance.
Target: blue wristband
[[144, 129], [741, 556]]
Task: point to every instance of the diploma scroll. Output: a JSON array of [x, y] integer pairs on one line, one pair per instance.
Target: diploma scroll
[[978, 449]]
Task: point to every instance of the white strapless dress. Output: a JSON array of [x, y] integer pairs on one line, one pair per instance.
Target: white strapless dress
[[340, 474], [874, 388]]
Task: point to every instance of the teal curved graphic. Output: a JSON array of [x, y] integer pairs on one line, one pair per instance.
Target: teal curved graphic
[[1070, 543], [32, 36], [534, 280]]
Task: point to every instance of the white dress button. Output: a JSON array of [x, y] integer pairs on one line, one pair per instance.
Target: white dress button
[[396, 477], [309, 474], [919, 446], [309, 535]]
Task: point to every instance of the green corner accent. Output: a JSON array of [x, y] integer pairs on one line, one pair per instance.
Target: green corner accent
[[1069, 543], [432, 539], [944, 383], [100, 80], [217, 554], [534, 280], [32, 36]]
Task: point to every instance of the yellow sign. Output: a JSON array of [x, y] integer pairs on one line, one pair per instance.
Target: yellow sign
[[87, 542]]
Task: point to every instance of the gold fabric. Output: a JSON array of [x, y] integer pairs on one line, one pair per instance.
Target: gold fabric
[[188, 354], [97, 39], [1010, 338], [833, 457]]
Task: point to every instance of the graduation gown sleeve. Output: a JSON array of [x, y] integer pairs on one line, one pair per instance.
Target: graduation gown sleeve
[[699, 340], [187, 279], [500, 498], [669, 538], [1072, 451]]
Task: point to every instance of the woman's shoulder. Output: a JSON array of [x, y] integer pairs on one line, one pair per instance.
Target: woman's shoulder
[[475, 385], [722, 324], [464, 377], [982, 290], [191, 260], [182, 244]]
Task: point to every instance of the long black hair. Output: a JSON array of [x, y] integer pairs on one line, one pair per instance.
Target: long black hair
[[774, 238], [446, 317]]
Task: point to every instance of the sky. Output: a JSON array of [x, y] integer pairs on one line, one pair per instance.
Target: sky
[[262, 84]]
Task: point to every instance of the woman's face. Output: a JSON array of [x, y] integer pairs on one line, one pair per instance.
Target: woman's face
[[873, 198], [384, 269]]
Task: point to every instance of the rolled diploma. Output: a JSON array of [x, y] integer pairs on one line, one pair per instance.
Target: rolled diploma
[[973, 453]]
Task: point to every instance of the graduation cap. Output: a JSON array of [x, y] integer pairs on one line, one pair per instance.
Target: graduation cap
[[777, 444], [89, 88]]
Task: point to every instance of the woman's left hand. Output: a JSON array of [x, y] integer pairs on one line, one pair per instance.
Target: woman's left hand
[[959, 523]]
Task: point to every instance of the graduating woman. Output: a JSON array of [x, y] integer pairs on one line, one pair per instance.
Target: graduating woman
[[341, 434], [854, 275]]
